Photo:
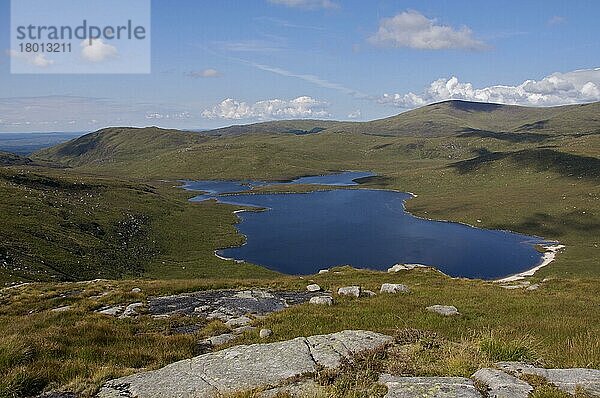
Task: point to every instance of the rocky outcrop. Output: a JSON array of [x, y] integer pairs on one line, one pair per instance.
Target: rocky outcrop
[[568, 380], [430, 387], [245, 367], [226, 305]]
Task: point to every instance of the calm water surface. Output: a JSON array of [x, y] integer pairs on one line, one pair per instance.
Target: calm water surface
[[303, 233]]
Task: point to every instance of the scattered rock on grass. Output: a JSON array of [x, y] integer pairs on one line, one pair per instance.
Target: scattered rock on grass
[[112, 311], [394, 288], [323, 271], [321, 300], [446, 310], [136, 290], [219, 340], [131, 310], [61, 309], [239, 321], [353, 291], [402, 267], [242, 329], [368, 293], [264, 333], [313, 287]]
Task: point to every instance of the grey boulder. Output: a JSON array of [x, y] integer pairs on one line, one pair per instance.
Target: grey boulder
[[446, 310], [353, 291], [321, 300], [394, 288]]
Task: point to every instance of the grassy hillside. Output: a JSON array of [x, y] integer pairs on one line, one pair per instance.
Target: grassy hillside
[[453, 117], [60, 225]]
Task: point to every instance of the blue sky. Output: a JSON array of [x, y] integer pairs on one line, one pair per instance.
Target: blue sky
[[217, 63]]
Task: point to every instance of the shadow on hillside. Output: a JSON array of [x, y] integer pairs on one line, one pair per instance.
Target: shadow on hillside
[[556, 226], [566, 164], [504, 136]]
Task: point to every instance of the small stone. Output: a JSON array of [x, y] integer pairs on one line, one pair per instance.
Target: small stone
[[394, 288], [202, 308], [112, 311], [240, 321], [321, 300], [264, 333], [446, 310], [131, 310], [243, 329], [402, 267], [323, 271], [535, 286], [313, 287], [136, 290], [61, 309], [219, 340], [353, 291], [368, 293]]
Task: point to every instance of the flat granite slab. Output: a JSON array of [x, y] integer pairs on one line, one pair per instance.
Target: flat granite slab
[[428, 387], [245, 367]]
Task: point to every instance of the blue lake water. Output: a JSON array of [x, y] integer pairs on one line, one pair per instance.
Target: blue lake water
[[365, 228]]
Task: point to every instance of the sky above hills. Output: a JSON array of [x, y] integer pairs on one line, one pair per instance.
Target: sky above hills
[[216, 63]]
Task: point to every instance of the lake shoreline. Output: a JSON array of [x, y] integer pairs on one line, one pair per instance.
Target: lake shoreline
[[547, 257]]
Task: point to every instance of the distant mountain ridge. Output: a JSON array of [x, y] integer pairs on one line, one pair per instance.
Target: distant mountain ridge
[[445, 119]]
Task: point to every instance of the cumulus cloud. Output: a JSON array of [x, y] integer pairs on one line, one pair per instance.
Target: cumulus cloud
[[196, 74], [556, 20], [307, 4], [556, 89], [354, 114], [38, 60], [97, 50], [301, 107], [414, 30]]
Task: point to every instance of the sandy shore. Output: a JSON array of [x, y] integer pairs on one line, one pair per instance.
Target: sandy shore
[[547, 258]]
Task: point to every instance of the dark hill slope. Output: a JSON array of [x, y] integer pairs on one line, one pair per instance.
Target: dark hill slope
[[119, 144], [452, 117]]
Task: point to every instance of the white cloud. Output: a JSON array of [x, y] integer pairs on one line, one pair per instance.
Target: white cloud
[[97, 50], [556, 89], [307, 4], [354, 114], [301, 107], [196, 74], [557, 20], [38, 60], [412, 29]]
